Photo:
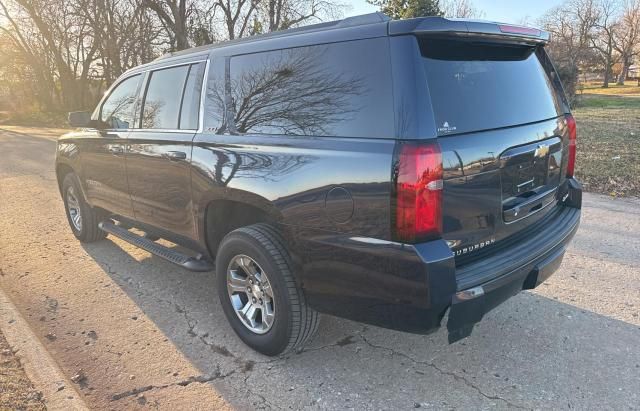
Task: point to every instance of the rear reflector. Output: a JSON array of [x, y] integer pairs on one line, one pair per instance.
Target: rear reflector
[[418, 200], [573, 133], [528, 31]]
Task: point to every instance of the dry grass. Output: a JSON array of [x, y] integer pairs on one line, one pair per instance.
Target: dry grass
[[609, 144], [16, 391], [630, 89]]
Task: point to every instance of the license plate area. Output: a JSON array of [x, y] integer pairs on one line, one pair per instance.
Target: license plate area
[[529, 176]]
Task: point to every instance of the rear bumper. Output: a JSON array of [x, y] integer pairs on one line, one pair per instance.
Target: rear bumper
[[472, 301], [488, 283], [411, 287]]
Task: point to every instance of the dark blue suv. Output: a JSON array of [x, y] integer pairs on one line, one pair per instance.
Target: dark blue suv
[[381, 171]]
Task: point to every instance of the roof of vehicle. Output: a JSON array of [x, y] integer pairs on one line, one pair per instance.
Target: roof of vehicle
[[361, 20], [369, 25]]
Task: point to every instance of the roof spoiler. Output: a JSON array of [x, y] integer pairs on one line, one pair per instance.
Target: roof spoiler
[[468, 28]]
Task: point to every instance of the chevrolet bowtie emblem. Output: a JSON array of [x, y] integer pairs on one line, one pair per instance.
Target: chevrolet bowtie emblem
[[541, 151]]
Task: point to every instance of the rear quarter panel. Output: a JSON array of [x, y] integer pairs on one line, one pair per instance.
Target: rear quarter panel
[[291, 178]]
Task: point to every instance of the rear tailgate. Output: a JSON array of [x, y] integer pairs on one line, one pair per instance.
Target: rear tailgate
[[498, 183], [500, 120]]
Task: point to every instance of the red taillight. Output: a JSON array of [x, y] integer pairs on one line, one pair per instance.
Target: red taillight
[[419, 192], [571, 163]]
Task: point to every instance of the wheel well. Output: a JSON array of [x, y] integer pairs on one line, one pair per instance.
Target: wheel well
[[224, 216], [61, 171]]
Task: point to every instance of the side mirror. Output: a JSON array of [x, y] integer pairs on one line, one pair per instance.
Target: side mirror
[[80, 119]]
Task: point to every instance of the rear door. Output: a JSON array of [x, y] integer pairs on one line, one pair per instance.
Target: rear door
[[159, 151], [501, 127]]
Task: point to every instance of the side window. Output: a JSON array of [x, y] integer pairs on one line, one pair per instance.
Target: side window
[[161, 107], [117, 110], [191, 100], [339, 89]]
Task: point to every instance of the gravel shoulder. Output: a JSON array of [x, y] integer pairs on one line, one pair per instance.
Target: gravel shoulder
[[16, 390], [145, 333]]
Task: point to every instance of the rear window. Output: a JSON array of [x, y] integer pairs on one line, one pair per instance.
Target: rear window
[[339, 89], [479, 86]]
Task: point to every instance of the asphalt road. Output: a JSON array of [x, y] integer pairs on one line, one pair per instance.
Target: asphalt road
[[145, 333]]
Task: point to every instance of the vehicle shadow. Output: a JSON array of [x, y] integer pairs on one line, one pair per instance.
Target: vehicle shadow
[[531, 352]]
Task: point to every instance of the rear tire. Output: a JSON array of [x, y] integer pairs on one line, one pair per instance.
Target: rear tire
[[260, 250], [83, 219]]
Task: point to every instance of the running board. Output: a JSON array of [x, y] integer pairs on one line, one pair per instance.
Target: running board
[[176, 257]]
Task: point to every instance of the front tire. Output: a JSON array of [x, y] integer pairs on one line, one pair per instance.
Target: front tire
[[258, 293], [83, 219]]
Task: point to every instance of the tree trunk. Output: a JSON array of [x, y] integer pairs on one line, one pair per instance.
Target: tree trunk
[[607, 76], [624, 72], [181, 41], [180, 26]]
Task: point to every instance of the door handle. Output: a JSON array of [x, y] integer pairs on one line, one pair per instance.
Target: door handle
[[176, 155], [116, 150]]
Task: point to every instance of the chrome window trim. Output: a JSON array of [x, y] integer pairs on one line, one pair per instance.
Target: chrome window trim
[[157, 64], [146, 130], [163, 130], [203, 91], [160, 67]]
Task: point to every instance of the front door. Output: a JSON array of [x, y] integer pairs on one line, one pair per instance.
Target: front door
[[102, 150], [158, 155]]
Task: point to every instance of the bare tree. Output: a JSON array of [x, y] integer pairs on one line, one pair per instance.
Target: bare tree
[[284, 14], [67, 40], [606, 27], [237, 16], [204, 21], [66, 51], [125, 32], [203, 24], [462, 9], [25, 45], [627, 38], [231, 19], [174, 15], [20, 84], [571, 26], [406, 9]]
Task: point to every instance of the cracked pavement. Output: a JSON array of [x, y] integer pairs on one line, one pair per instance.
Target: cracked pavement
[[145, 333]]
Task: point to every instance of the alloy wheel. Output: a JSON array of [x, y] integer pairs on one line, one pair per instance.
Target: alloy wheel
[[73, 207], [251, 294]]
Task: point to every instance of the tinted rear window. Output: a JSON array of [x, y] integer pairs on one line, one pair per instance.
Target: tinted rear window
[[339, 89], [479, 86]]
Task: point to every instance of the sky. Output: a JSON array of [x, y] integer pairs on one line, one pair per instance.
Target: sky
[[507, 11]]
